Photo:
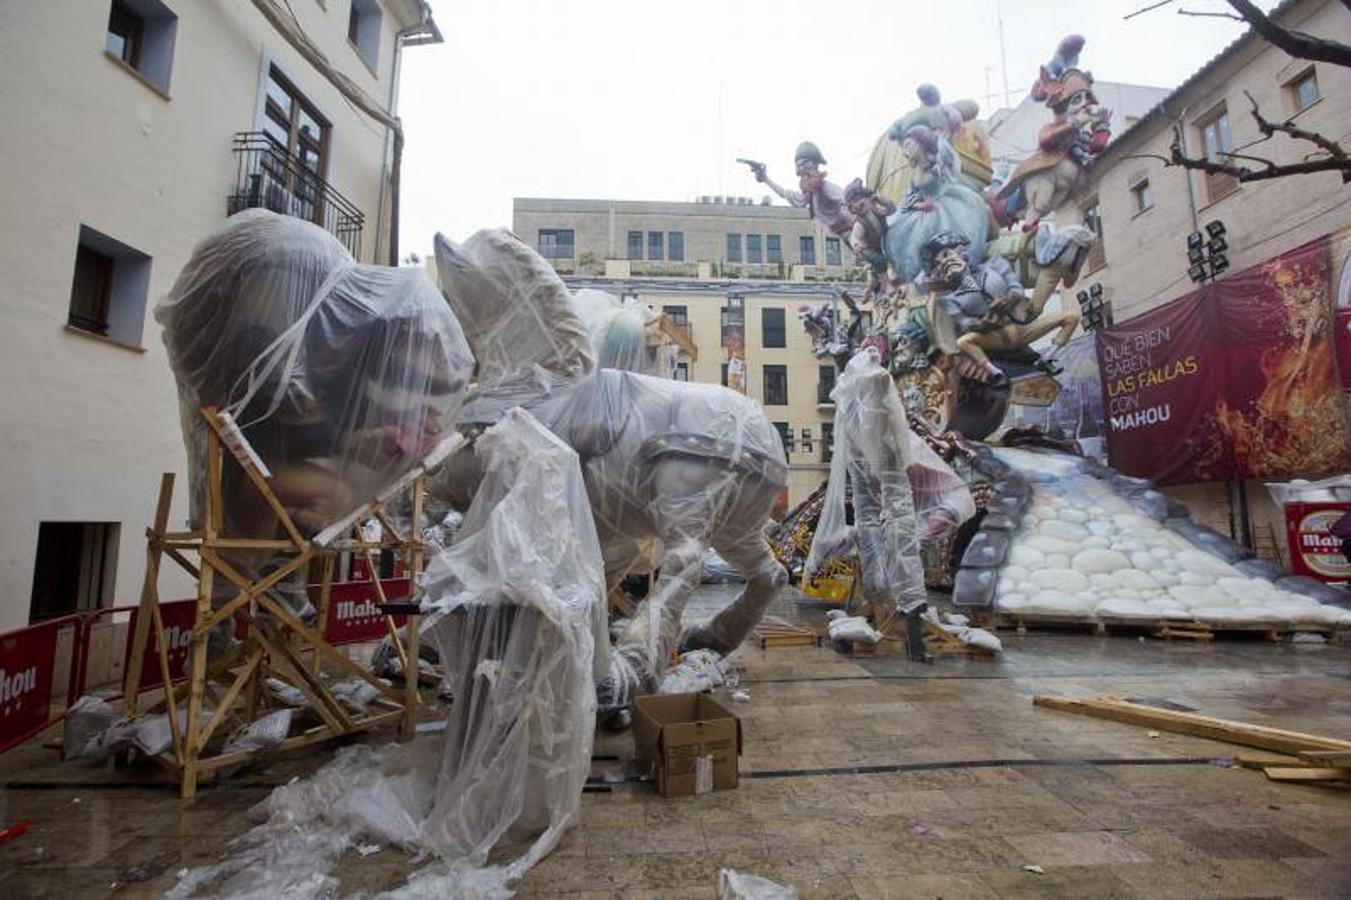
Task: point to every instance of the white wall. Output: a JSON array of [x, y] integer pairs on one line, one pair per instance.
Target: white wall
[[86, 426]]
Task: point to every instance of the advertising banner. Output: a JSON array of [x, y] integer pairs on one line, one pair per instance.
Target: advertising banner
[[353, 616], [1237, 379], [27, 661], [179, 616], [1314, 550]]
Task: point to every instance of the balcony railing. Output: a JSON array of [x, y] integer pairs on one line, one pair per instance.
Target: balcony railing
[[267, 177], [823, 389]]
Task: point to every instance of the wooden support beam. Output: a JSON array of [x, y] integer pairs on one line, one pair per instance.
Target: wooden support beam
[[1336, 758], [1262, 737], [227, 701], [259, 482], [1307, 773], [149, 595]]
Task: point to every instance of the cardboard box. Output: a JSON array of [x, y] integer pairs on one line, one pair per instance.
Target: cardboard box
[[688, 743]]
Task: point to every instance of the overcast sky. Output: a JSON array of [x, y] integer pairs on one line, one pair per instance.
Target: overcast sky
[[624, 99]]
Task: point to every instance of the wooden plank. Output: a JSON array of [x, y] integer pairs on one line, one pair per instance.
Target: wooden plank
[[316, 735], [166, 679], [1262, 760], [1279, 740], [149, 595], [1277, 773], [413, 670], [321, 701], [1336, 758], [259, 482], [227, 701], [248, 590]]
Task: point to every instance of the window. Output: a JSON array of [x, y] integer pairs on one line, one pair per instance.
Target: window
[[141, 36], [109, 288], [635, 245], [825, 383], [75, 568], [827, 441], [806, 247], [556, 243], [785, 436], [832, 251], [773, 248], [363, 30], [753, 248], [678, 315], [772, 330], [776, 385], [655, 245], [806, 440], [296, 128], [734, 248], [682, 371], [1097, 255], [675, 246], [1304, 90], [733, 322], [1218, 143], [1144, 196]]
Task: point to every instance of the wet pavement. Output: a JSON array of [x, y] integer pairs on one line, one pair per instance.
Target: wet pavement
[[966, 784]]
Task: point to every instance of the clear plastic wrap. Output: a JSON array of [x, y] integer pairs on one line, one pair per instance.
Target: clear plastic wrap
[[618, 332], [516, 607], [515, 310], [341, 376], [874, 448], [686, 465]]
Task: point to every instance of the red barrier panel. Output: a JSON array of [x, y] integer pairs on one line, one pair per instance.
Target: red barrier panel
[[353, 616], [27, 674]]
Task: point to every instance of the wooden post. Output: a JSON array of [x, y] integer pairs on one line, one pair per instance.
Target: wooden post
[[215, 518], [149, 594], [413, 698], [325, 597]]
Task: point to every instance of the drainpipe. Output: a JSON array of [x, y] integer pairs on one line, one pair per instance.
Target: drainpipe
[[427, 30]]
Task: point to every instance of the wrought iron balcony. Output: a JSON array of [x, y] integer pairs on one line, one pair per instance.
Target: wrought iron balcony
[[267, 177]]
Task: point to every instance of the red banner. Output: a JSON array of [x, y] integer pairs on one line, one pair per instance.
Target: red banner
[[1235, 380], [179, 616], [27, 661], [1314, 550], [353, 616]]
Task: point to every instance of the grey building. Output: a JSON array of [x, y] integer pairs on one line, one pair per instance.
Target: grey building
[[716, 237]]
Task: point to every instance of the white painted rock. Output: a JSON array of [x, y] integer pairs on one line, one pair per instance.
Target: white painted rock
[[1095, 542], [1060, 579], [1200, 561], [1196, 579], [1047, 544], [1100, 527], [1163, 577], [1122, 607], [1073, 514], [1057, 560], [1094, 561], [1143, 561], [1066, 531], [1025, 556], [1135, 580], [1012, 574], [1012, 602]]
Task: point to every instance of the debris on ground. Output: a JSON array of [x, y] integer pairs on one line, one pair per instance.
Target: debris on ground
[[734, 885]]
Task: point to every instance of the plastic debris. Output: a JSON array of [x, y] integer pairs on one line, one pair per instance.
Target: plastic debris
[[734, 885], [741, 696], [18, 828], [367, 849], [265, 733], [1034, 869], [698, 670], [853, 628]]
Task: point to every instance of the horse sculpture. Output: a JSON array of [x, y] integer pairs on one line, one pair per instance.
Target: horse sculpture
[[686, 465]]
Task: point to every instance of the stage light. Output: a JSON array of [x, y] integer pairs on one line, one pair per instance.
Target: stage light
[[1195, 240], [1217, 245], [1219, 263], [1195, 255], [1197, 272], [1215, 228]]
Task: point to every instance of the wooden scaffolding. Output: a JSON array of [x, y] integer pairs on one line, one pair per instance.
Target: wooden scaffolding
[[276, 641]]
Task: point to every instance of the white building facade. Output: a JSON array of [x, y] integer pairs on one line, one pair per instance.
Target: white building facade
[[134, 128]]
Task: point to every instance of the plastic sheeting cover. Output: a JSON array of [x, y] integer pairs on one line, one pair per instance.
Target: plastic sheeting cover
[[873, 450], [341, 375], [516, 607], [686, 466]]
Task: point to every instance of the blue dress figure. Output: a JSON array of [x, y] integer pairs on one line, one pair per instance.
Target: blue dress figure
[[936, 201]]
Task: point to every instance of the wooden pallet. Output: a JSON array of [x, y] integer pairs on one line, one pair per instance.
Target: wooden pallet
[[1165, 629], [775, 632]]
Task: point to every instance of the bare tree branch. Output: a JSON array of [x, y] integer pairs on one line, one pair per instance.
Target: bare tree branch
[[1297, 43], [1144, 9], [1209, 15]]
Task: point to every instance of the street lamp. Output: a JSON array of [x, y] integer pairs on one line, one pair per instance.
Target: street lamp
[[1095, 312], [1207, 253]]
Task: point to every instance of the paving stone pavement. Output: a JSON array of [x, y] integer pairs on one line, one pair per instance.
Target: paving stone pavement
[[965, 784]]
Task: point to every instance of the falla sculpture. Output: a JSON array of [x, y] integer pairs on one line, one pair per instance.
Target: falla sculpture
[[957, 334]]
